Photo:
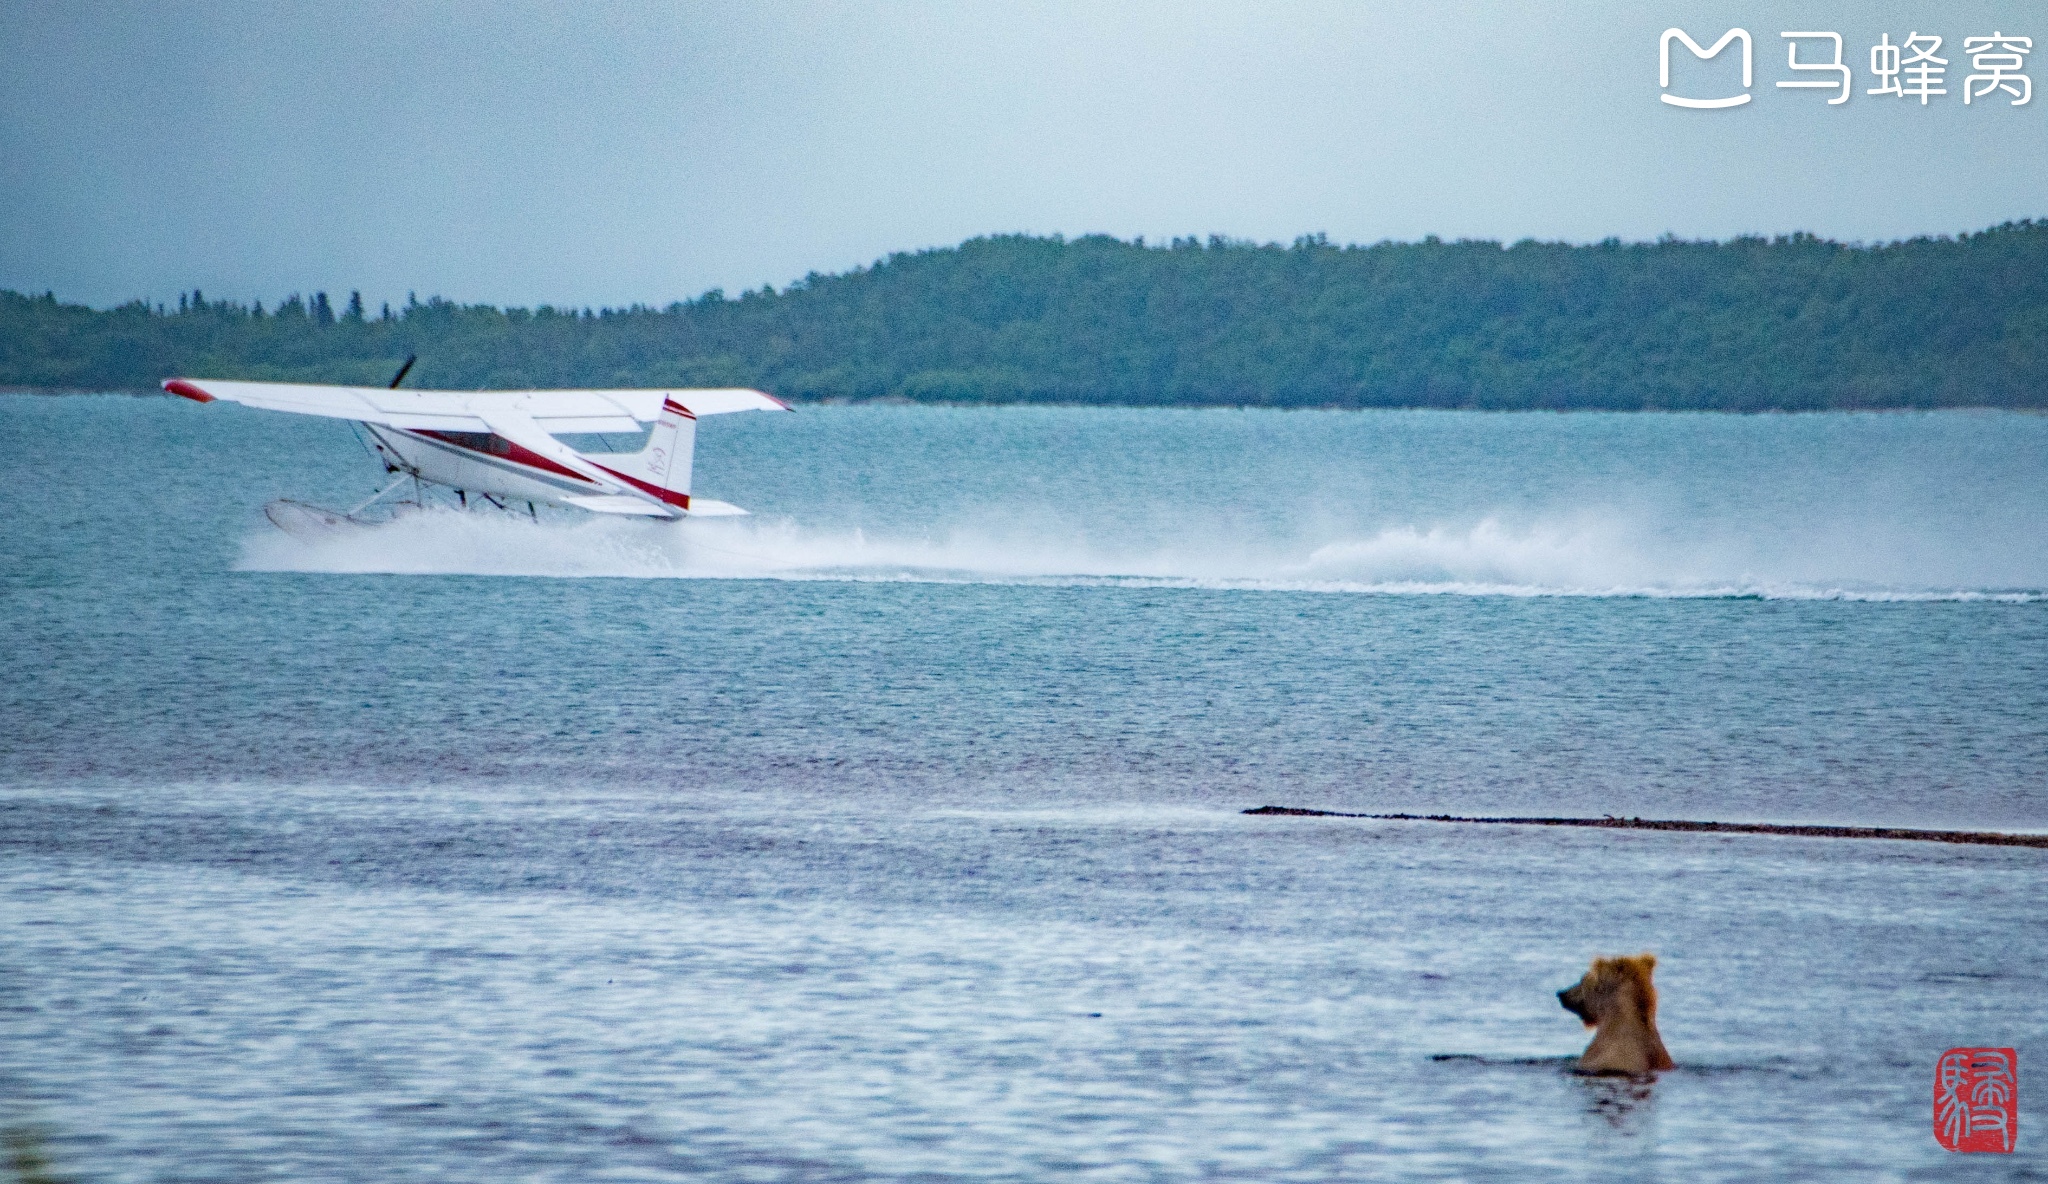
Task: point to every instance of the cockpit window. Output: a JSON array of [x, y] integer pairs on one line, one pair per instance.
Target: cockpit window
[[489, 442]]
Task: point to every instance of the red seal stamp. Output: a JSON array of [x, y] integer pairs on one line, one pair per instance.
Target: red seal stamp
[[1977, 1099]]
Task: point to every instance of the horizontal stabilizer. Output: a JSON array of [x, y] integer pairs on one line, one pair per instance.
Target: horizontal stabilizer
[[704, 507], [615, 504], [725, 400]]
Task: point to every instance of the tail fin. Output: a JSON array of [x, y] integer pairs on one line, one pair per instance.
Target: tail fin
[[671, 449], [662, 467]]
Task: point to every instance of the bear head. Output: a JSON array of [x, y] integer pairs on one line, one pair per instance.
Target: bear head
[[1594, 997]]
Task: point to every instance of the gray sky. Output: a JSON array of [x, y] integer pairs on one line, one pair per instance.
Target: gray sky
[[604, 154]]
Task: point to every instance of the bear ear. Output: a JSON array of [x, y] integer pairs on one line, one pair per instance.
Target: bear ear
[[1646, 960]]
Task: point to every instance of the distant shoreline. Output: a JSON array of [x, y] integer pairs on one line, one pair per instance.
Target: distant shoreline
[[153, 393], [1973, 837], [1789, 323]]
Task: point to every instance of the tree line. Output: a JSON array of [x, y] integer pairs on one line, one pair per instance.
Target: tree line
[[1792, 322]]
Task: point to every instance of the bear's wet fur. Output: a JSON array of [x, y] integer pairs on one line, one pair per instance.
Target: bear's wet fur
[[1618, 999]]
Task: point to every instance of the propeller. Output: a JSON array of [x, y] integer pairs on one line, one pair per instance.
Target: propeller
[[400, 376]]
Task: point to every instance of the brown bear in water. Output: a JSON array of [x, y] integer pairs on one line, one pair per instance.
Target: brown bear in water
[[1617, 998]]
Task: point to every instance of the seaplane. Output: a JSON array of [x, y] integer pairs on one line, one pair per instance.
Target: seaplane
[[624, 452]]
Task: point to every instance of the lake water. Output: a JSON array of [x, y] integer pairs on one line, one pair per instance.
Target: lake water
[[894, 832]]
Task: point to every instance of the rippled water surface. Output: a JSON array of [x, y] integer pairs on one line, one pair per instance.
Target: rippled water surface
[[893, 832]]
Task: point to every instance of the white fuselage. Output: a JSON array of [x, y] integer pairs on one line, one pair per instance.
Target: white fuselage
[[483, 462]]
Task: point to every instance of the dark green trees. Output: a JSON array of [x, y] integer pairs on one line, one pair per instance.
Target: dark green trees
[[1751, 324]]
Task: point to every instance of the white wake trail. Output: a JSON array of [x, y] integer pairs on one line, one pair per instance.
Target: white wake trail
[[1489, 558]]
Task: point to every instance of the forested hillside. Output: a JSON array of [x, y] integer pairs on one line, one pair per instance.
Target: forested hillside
[[1750, 324]]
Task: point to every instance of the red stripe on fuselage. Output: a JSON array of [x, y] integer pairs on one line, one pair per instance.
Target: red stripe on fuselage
[[513, 453], [681, 500], [678, 408], [179, 386]]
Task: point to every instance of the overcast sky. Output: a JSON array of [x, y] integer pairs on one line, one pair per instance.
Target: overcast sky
[[603, 154]]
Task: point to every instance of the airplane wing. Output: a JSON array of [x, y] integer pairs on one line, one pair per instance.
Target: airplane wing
[[511, 422], [721, 401], [471, 411], [429, 411]]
